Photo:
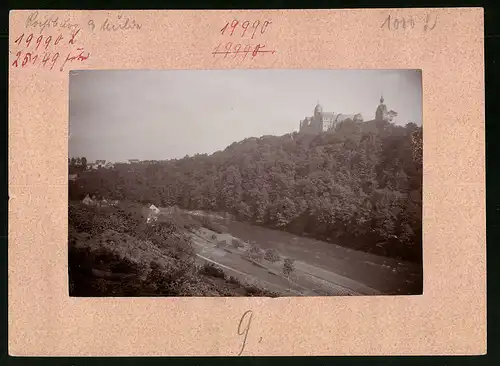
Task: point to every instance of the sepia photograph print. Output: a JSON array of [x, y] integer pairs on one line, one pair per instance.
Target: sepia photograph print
[[247, 182]]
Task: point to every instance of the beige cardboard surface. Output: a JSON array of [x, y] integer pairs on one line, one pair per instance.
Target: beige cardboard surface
[[449, 318]]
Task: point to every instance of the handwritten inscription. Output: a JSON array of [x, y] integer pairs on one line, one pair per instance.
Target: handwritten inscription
[[245, 28], [426, 24], [49, 21], [239, 39], [113, 25], [40, 49], [244, 328], [46, 51], [37, 22], [238, 49]]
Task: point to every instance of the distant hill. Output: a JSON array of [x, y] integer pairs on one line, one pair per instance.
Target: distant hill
[[359, 186]]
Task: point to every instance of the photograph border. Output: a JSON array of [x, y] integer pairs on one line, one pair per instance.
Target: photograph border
[[393, 267]]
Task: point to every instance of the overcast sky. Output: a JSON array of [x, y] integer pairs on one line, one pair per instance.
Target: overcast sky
[[120, 115]]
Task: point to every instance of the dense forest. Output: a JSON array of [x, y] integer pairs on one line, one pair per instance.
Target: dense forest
[[359, 186]]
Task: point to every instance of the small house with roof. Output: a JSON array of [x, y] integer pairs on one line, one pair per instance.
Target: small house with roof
[[87, 200], [154, 209]]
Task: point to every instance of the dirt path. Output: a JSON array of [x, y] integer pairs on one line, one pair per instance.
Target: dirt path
[[320, 266], [269, 274], [269, 285]]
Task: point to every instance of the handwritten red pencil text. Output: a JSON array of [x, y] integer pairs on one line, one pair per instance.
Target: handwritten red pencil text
[[240, 37], [47, 51]]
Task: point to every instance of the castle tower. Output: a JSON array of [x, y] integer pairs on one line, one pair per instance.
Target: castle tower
[[381, 112], [318, 109]]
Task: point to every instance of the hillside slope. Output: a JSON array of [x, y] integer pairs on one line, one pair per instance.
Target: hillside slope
[[113, 251]]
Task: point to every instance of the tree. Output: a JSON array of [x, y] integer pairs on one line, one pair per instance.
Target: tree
[[288, 266], [254, 253], [84, 163], [411, 126], [417, 141], [272, 255]]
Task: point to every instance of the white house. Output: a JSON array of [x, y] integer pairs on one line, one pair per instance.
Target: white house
[[87, 200], [154, 209], [153, 214]]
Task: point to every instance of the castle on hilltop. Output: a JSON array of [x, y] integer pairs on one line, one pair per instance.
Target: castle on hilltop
[[325, 121]]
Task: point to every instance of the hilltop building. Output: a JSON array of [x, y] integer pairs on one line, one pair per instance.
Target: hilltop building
[[383, 114], [325, 121]]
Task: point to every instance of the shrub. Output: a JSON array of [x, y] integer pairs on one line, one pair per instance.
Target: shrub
[[272, 255], [253, 290], [133, 213], [226, 291], [288, 266], [254, 253], [210, 269], [213, 237], [234, 280], [236, 243], [166, 283], [83, 281], [81, 217], [169, 238]]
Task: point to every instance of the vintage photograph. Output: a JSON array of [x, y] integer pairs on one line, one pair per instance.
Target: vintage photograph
[[246, 182]]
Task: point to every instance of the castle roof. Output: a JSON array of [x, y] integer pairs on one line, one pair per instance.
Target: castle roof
[[318, 109], [342, 117]]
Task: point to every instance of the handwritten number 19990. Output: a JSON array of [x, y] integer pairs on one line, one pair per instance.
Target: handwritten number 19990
[[231, 27]]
